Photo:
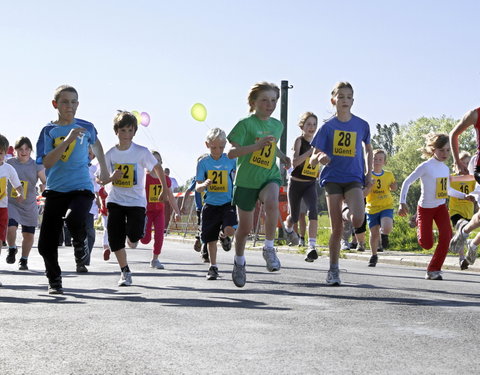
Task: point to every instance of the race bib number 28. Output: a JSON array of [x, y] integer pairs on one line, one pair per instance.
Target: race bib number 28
[[344, 143]]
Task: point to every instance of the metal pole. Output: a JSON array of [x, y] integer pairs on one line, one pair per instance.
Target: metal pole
[[284, 118]]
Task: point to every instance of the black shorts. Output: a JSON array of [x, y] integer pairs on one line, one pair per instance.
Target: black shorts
[[25, 228], [124, 221], [215, 218]]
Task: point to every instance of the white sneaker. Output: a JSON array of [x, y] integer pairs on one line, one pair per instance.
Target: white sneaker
[[270, 256], [472, 252], [292, 238], [155, 263], [344, 245], [333, 277], [125, 279], [457, 242]]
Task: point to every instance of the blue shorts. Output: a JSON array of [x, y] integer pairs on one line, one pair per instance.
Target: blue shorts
[[376, 219]]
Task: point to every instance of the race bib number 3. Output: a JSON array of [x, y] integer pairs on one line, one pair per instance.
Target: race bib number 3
[[14, 193], [309, 170], [219, 181], [441, 190], [127, 180], [344, 143], [154, 192], [66, 155], [264, 157]]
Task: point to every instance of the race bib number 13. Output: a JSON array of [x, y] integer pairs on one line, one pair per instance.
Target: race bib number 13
[[127, 180], [441, 190], [264, 157], [344, 143], [219, 181]]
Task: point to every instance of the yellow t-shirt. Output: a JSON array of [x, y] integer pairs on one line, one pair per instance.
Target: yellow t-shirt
[[380, 198], [461, 207]]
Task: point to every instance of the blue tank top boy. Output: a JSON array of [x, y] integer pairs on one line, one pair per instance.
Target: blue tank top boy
[[70, 173], [342, 142], [221, 173]]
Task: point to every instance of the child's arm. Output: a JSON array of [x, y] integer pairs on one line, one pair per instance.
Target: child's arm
[[369, 161], [468, 119], [43, 179], [297, 158], [318, 156], [201, 186], [19, 190], [236, 150], [173, 203], [53, 156], [415, 175], [97, 149], [286, 160]]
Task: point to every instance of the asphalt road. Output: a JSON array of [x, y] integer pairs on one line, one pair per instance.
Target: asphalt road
[[382, 320]]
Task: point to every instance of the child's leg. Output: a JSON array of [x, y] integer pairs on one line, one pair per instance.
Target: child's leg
[[105, 232], [12, 235], [245, 225], [148, 228], [334, 204], [374, 238], [444, 237], [355, 202], [159, 226], [117, 233], [121, 256], [212, 252], [76, 218], [27, 242], [473, 224], [425, 227], [386, 225], [269, 196]]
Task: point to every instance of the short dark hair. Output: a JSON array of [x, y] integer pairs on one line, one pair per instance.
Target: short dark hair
[[3, 143], [124, 119], [23, 141], [63, 88]]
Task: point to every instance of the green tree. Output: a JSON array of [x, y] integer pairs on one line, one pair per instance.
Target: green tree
[[384, 137]]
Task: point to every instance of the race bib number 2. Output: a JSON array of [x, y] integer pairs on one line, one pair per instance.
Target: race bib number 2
[[344, 143], [127, 179], [219, 181], [264, 157]]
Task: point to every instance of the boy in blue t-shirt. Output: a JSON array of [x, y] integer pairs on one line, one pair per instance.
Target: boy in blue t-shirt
[[62, 148], [215, 174]]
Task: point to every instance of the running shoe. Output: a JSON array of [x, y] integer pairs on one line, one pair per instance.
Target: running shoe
[[239, 275], [55, 286], [311, 254], [125, 279], [301, 243], [23, 264], [197, 246], [81, 268], [373, 261], [292, 238], [270, 256], [457, 243], [226, 243], [333, 277], [155, 263], [204, 254], [472, 252], [212, 273], [106, 254], [433, 275], [12, 251]]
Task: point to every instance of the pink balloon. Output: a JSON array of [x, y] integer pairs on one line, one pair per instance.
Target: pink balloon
[[145, 119]]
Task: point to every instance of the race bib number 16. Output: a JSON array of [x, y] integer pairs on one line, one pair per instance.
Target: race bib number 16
[[344, 143]]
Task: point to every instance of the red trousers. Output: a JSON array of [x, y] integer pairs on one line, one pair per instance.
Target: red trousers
[[425, 219], [157, 220]]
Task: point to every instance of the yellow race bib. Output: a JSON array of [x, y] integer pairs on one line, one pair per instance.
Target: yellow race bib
[[344, 143], [14, 193], [219, 181], [3, 187], [154, 191], [127, 180], [441, 188], [66, 154], [309, 170], [264, 157]]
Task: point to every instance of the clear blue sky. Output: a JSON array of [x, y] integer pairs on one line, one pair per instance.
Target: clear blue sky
[[405, 59]]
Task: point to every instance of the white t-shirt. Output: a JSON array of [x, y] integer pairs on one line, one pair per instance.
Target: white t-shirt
[[435, 182], [130, 189], [7, 173]]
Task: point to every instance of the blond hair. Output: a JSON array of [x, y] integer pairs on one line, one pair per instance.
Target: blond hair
[[341, 85], [216, 133], [432, 142], [256, 89]]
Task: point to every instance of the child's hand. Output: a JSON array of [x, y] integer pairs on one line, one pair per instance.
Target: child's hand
[[177, 217], [20, 198], [262, 142], [470, 198], [163, 197], [116, 175], [207, 182], [323, 158], [402, 209], [287, 162], [74, 134]]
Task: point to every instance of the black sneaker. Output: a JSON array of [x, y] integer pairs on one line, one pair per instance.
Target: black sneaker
[[226, 243], [204, 254], [385, 242], [212, 273], [311, 254], [22, 264], [197, 246], [373, 261], [55, 286], [12, 251], [81, 268]]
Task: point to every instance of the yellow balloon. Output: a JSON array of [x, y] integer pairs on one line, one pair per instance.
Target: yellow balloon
[[199, 112], [137, 116]]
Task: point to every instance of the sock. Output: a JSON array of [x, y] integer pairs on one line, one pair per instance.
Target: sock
[[268, 244], [240, 260], [312, 242], [125, 269], [12, 248], [334, 266], [287, 228], [24, 258], [213, 265]]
